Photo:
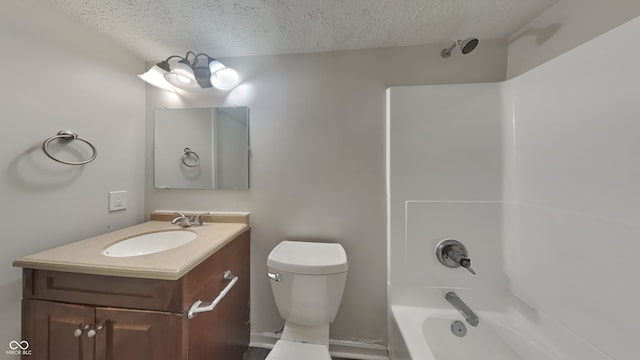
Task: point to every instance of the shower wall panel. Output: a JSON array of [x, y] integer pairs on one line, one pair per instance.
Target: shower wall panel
[[443, 144], [572, 175]]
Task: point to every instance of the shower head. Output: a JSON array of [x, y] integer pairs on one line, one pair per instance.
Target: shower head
[[466, 46]]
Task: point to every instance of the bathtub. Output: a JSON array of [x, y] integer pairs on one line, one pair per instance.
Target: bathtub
[[427, 335]]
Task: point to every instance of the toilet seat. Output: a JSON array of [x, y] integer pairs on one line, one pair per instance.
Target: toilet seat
[[289, 350]]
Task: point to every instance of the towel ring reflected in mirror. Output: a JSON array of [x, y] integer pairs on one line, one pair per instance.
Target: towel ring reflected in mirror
[[190, 158], [218, 135], [67, 136]]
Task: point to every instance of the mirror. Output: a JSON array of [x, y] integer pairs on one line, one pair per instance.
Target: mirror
[[201, 148]]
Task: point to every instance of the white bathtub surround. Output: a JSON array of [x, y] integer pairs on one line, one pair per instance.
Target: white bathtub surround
[[538, 178], [574, 198], [476, 224], [443, 147]]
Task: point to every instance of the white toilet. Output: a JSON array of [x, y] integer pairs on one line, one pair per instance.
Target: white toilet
[[307, 279]]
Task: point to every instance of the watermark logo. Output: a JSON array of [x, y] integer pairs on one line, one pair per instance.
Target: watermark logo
[[19, 348]]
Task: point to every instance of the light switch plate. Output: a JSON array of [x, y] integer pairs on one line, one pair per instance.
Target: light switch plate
[[117, 200]]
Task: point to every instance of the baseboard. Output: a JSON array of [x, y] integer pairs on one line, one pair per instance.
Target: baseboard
[[337, 348]]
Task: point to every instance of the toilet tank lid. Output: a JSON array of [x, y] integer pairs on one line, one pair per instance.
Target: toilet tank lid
[[312, 258]]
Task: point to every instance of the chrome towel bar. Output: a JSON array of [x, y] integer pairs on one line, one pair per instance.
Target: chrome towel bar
[[201, 306]]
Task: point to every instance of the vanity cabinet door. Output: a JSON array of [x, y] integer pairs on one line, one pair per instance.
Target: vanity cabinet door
[[56, 331], [59, 331], [127, 334]]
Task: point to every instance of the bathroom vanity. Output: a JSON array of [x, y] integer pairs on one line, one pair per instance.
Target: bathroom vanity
[[81, 304]]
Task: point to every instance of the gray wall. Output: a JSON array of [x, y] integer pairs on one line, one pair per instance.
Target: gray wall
[[318, 161], [58, 74]]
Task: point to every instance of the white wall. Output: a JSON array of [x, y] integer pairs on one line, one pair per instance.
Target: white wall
[[318, 161], [572, 176], [57, 75], [564, 26]]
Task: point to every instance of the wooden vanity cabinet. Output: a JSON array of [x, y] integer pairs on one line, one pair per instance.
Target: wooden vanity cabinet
[[58, 332], [69, 316]]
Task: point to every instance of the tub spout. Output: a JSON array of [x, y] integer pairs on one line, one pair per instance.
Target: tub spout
[[457, 303]]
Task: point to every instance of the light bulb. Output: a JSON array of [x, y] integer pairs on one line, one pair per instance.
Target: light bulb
[[224, 79], [215, 66], [182, 76], [183, 79]]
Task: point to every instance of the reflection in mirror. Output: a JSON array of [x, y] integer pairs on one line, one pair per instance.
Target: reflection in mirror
[[202, 148]]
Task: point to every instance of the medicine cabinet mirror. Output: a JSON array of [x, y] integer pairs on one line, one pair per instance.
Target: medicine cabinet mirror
[[201, 148]]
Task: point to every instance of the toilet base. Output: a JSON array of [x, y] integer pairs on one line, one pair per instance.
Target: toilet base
[[306, 334], [288, 350]]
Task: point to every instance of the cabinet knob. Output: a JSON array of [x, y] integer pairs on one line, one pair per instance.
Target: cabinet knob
[[78, 332], [91, 333]]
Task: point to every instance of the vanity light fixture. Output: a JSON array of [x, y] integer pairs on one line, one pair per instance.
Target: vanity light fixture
[[191, 72]]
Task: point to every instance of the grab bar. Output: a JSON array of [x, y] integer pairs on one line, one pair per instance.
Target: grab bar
[[201, 306]]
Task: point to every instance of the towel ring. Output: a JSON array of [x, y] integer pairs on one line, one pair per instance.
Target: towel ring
[[68, 135], [188, 153]]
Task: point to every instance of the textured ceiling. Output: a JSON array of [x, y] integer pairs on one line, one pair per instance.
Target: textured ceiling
[[155, 29]]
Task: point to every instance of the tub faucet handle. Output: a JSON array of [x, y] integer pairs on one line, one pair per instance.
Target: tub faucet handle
[[460, 257], [468, 267], [451, 253], [463, 261]]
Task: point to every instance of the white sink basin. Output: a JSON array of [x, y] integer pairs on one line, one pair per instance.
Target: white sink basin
[[149, 243]]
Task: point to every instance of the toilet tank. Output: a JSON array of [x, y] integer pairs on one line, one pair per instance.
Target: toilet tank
[[311, 280]]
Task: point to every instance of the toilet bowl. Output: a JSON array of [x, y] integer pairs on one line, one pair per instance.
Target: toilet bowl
[[307, 280]]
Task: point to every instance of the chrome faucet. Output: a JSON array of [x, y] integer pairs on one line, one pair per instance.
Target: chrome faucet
[[184, 221], [457, 303]]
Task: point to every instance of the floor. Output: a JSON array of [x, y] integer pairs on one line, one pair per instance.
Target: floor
[[255, 353]]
